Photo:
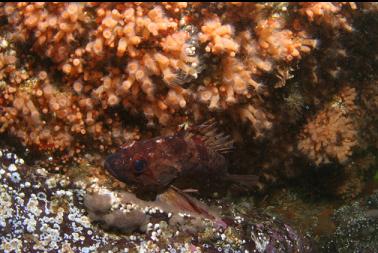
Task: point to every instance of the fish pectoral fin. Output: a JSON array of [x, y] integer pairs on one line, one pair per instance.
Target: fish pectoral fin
[[190, 190], [191, 204], [127, 144], [167, 175], [184, 191]]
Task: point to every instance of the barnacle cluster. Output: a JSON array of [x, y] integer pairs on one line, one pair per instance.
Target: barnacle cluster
[[43, 212], [351, 222]]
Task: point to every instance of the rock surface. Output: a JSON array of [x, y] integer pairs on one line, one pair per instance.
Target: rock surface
[[356, 227], [46, 212]]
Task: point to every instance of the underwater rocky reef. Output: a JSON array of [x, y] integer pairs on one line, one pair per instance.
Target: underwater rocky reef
[[46, 212], [294, 84]]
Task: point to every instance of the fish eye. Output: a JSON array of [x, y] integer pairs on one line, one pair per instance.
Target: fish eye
[[139, 166]]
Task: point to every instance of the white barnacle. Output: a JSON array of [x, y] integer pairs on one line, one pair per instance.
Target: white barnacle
[[60, 193], [130, 206], [37, 185], [15, 177], [41, 172], [31, 224], [76, 237], [51, 182], [41, 196], [12, 168], [64, 182], [181, 214], [19, 161], [239, 219], [154, 236], [33, 206], [132, 238]]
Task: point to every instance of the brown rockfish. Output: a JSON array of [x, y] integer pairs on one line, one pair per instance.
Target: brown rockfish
[[191, 159]]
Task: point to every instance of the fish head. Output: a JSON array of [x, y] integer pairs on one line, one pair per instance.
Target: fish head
[[141, 164]]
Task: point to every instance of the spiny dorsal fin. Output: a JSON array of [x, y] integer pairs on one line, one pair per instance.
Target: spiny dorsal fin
[[127, 144], [212, 137]]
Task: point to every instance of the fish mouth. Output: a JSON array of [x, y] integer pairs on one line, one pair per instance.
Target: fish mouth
[[108, 166], [112, 165]]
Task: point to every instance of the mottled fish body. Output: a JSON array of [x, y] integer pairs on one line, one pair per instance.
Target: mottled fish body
[[192, 158]]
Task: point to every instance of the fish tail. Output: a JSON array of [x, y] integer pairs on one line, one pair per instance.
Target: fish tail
[[251, 182]]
